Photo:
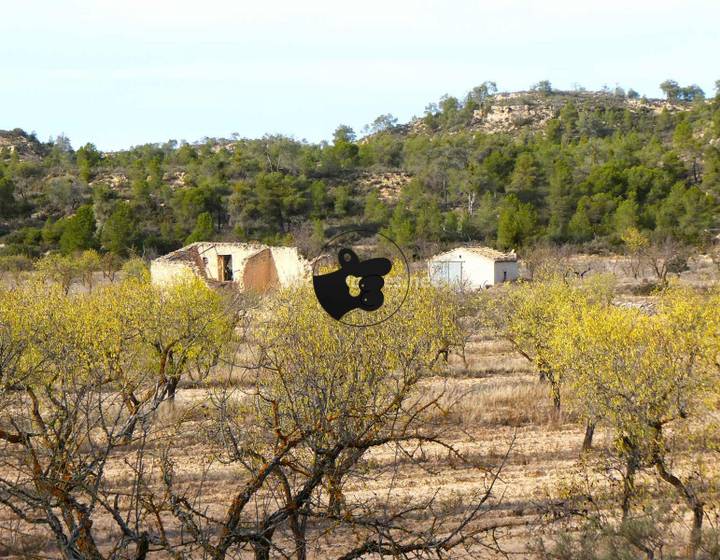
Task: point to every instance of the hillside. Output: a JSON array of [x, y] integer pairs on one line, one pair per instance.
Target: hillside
[[505, 169], [18, 142], [526, 110]]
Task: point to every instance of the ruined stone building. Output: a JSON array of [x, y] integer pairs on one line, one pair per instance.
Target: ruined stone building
[[249, 266]]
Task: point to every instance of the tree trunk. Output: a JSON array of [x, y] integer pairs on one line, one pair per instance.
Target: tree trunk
[[632, 464], [546, 374], [686, 491], [128, 432], [697, 507], [555, 395], [297, 526], [262, 551], [85, 541], [589, 433], [172, 387], [336, 500], [143, 546], [133, 405], [696, 531]]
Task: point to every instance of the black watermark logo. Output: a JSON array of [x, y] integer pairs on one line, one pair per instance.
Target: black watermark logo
[[333, 292], [350, 276]]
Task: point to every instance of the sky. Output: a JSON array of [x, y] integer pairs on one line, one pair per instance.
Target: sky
[[119, 73]]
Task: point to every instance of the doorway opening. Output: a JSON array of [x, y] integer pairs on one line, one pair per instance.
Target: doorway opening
[[225, 271]]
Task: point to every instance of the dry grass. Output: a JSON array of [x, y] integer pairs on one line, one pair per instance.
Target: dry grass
[[485, 402], [485, 405], [492, 401]]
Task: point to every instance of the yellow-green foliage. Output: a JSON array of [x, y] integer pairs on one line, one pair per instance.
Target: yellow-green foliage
[[634, 240], [66, 269], [27, 314], [653, 379], [60, 269], [136, 268], [81, 375], [344, 380], [531, 315], [640, 371], [131, 334]]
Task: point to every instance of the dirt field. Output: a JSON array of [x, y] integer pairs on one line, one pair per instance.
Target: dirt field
[[499, 407], [497, 403]]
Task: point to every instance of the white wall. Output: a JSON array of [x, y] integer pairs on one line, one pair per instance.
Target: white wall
[[478, 271], [290, 265], [163, 273], [238, 253], [512, 269]]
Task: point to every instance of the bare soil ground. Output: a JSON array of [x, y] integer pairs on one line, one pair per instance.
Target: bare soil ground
[[499, 403]]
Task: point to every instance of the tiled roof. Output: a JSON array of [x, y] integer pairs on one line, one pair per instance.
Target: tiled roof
[[493, 254], [485, 252]]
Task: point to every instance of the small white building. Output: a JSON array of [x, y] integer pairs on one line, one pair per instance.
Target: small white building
[[473, 267], [248, 266]]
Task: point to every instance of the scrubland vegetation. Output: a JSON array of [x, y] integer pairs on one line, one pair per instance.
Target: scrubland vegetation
[[573, 415], [504, 170], [545, 419]]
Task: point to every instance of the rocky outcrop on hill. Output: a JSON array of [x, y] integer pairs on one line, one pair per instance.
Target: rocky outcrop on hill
[[116, 181], [507, 112], [388, 184], [506, 118], [531, 110], [176, 179], [19, 142]]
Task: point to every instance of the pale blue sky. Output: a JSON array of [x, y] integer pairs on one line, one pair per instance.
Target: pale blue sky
[[125, 72]]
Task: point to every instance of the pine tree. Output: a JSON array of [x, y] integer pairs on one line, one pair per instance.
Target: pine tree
[[204, 229], [120, 230], [523, 181], [560, 200], [580, 228], [78, 231], [516, 223]]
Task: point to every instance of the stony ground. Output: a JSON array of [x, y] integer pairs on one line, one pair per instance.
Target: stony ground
[[498, 404]]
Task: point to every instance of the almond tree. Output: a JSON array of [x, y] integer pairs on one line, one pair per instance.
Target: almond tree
[[530, 314], [154, 336], [58, 424], [326, 398], [81, 377], [647, 376]]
